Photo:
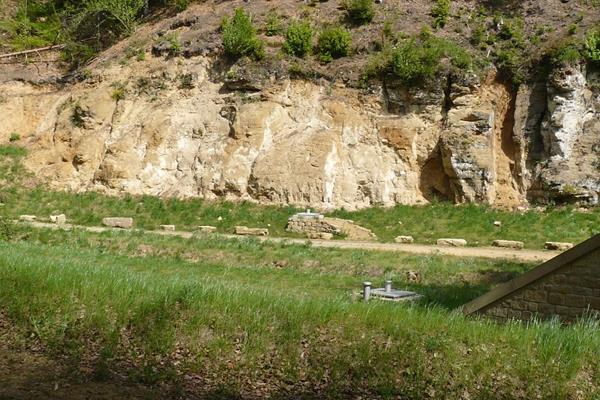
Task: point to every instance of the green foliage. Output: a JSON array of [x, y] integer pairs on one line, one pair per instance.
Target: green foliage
[[592, 46], [143, 299], [440, 13], [512, 64], [36, 24], [7, 229], [77, 54], [12, 151], [567, 54], [334, 42], [298, 39], [359, 12], [239, 36], [186, 81], [174, 44], [418, 60], [179, 5], [118, 15], [273, 25], [14, 137], [512, 30], [119, 91]]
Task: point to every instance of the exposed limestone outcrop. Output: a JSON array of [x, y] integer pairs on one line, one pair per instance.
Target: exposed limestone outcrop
[[318, 144]]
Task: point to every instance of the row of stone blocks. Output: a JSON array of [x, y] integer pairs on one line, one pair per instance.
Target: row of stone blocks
[[315, 228], [127, 223], [511, 244]]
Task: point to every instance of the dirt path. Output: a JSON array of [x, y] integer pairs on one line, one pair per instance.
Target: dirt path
[[524, 255]]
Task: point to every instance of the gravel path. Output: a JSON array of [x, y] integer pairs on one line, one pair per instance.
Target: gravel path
[[524, 255]]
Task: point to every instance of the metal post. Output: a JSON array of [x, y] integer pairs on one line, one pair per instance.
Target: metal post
[[388, 286], [366, 291]]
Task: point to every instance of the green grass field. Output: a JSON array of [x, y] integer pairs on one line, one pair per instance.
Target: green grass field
[[247, 318], [241, 313]]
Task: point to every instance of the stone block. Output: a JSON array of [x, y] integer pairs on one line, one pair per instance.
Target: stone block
[[518, 305], [452, 242], [206, 229], [562, 246], [404, 239], [575, 300], [58, 219], [27, 218], [546, 309], [594, 302], [118, 222], [510, 244], [535, 295], [170, 228], [244, 230], [320, 235], [556, 298]]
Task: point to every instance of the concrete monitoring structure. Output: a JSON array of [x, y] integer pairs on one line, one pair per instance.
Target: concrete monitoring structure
[[567, 287], [317, 226]]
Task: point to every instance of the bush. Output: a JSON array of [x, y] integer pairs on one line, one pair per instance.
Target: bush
[[360, 11], [592, 46], [333, 43], [7, 229], [440, 13], [510, 62], [568, 54], [418, 60], [273, 26], [119, 91], [14, 137], [239, 36], [298, 39]]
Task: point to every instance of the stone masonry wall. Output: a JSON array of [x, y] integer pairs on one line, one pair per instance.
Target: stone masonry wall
[[567, 293], [311, 225]]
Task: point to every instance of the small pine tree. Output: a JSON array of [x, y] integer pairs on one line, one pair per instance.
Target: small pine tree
[[298, 39], [239, 36]]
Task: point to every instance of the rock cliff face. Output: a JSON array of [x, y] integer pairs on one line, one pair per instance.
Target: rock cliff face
[[177, 127]]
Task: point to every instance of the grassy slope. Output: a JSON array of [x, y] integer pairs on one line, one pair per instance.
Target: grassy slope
[[220, 311]]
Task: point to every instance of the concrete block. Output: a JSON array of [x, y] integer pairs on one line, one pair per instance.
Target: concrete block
[[404, 239], [118, 222], [452, 242], [510, 244], [27, 218], [170, 228], [206, 229], [562, 246], [244, 230], [58, 219]]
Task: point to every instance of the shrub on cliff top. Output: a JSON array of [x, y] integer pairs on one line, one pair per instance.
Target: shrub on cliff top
[[359, 12], [440, 13], [298, 39], [333, 43], [419, 59], [239, 36], [592, 46]]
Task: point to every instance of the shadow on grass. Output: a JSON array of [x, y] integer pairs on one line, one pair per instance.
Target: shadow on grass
[[451, 296]]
